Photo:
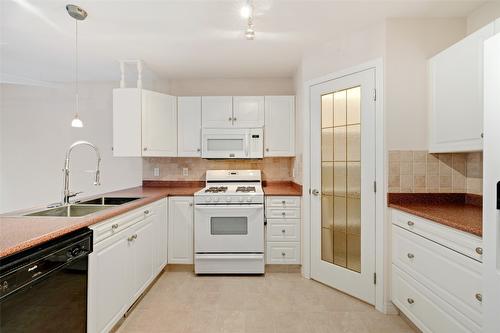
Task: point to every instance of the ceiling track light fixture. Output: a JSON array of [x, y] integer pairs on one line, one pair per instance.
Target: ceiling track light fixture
[[78, 14], [247, 12]]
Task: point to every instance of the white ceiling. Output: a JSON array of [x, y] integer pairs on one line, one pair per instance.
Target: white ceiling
[[184, 38]]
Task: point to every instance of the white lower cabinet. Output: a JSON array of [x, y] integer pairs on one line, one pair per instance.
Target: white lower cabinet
[[123, 263], [180, 230], [283, 230], [436, 285]]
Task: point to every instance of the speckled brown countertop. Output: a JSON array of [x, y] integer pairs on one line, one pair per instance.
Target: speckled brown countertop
[[281, 188], [18, 233], [457, 210]]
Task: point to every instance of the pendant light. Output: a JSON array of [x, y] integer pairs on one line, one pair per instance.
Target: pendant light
[[79, 15]]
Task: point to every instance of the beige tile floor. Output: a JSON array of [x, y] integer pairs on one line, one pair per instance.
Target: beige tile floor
[[181, 302]]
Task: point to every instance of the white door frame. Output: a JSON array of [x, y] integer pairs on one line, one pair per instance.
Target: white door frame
[[382, 267]]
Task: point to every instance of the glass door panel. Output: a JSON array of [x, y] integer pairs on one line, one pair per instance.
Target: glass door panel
[[341, 178]]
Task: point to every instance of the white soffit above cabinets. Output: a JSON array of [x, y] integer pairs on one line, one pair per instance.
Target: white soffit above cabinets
[[188, 38]]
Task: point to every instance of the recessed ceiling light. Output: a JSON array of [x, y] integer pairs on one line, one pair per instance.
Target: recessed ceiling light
[[246, 10]]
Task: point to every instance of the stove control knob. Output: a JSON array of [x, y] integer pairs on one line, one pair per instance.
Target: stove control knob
[[228, 199], [216, 199], [208, 199], [249, 199]]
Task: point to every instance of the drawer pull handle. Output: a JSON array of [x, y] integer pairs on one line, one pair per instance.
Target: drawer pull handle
[[283, 254], [479, 250], [479, 297], [411, 256], [283, 230], [114, 226], [410, 301], [146, 211], [411, 223]]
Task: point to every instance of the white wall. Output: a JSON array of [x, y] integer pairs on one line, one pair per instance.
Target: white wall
[[350, 50], [36, 133], [231, 87], [409, 44], [483, 15]]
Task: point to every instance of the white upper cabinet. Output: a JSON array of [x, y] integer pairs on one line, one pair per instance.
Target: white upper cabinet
[[127, 122], [279, 129], [159, 124], [456, 95], [189, 126], [217, 111], [248, 111]]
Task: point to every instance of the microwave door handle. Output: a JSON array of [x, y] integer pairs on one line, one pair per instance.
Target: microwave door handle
[[247, 143]]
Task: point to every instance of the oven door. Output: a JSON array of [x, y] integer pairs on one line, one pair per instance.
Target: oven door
[[229, 229]]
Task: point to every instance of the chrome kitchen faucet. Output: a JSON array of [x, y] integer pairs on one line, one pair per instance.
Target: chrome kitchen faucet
[[66, 192]]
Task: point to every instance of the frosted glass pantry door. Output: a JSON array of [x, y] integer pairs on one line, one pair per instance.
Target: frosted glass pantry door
[[342, 175]]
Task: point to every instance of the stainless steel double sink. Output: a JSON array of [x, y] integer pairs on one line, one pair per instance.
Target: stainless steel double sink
[[82, 208]]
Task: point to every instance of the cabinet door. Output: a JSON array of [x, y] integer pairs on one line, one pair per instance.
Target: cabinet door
[[217, 111], [143, 254], [279, 129], [189, 126], [160, 234], [456, 89], [110, 281], [248, 111], [180, 230], [159, 124], [127, 122]]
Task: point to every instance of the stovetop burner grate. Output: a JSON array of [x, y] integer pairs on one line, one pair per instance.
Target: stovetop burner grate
[[245, 189], [216, 189]]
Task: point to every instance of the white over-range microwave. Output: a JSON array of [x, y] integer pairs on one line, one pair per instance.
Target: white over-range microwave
[[232, 143]]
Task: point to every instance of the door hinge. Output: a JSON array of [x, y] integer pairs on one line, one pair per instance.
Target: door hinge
[[375, 186], [374, 278], [374, 94]]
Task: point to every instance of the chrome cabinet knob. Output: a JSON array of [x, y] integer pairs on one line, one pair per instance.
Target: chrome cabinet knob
[[146, 211], [283, 213], [411, 256], [410, 301], [479, 297], [283, 254], [131, 238], [479, 250], [230, 119], [190, 204], [267, 149], [198, 150], [411, 223], [283, 230], [145, 148], [234, 119], [283, 202], [315, 192]]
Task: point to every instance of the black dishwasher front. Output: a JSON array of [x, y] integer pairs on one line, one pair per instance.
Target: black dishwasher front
[[44, 289]]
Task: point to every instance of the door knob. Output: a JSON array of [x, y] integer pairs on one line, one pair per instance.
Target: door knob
[[315, 192]]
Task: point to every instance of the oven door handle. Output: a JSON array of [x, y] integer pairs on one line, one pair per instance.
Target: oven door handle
[[213, 207], [247, 137]]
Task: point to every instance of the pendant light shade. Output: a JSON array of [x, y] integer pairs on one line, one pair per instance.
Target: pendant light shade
[[79, 15]]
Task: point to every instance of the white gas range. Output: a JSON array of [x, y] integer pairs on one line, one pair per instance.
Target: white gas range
[[229, 223]]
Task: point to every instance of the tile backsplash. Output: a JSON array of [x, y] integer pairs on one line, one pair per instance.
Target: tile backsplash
[[171, 168], [420, 171]]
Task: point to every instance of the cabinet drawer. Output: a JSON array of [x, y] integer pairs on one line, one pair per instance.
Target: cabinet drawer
[[283, 253], [460, 241], [279, 230], [283, 213], [283, 202], [112, 226], [450, 275], [425, 309]]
